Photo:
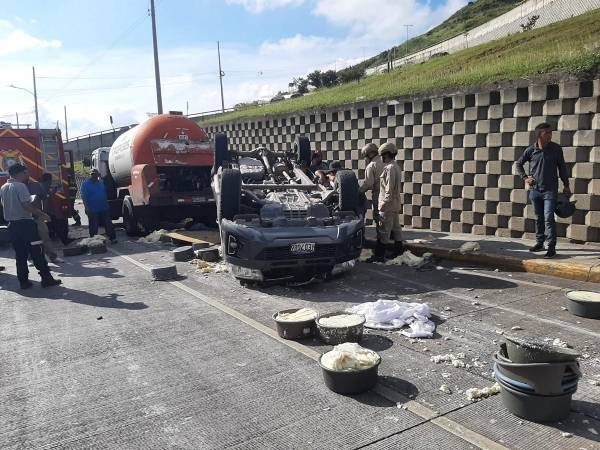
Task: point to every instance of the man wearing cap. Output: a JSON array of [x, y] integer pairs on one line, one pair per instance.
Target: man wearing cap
[[390, 205], [19, 213], [330, 174], [546, 160], [372, 177], [96, 206]]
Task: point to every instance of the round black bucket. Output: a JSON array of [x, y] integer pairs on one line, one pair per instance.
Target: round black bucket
[[339, 335], [295, 330], [525, 350], [350, 382], [581, 307], [537, 408]]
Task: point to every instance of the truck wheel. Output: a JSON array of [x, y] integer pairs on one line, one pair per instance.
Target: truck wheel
[[231, 188], [302, 150], [222, 154], [150, 221], [129, 220], [348, 190]]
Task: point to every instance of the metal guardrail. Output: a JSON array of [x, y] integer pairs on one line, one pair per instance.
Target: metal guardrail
[[214, 112]]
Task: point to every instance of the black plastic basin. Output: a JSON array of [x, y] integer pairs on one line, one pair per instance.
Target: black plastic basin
[[350, 382], [295, 330], [583, 308], [537, 408]]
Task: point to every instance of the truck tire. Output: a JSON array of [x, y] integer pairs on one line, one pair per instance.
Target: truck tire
[[222, 154], [129, 219], [231, 188], [302, 150], [348, 190]]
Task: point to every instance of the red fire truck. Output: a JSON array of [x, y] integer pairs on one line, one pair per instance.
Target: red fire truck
[[41, 152]]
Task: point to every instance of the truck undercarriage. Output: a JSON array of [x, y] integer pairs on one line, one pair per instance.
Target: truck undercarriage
[[276, 223]]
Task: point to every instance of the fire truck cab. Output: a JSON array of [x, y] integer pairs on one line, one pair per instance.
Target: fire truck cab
[[41, 151]]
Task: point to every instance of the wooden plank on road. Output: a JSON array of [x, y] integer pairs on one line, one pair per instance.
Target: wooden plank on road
[[195, 237]]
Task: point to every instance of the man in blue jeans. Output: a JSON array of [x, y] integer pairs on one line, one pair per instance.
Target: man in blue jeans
[[94, 199], [546, 164]]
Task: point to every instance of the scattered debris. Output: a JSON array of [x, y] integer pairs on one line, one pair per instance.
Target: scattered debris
[[499, 332], [365, 254], [409, 259], [446, 375], [206, 267], [566, 435], [454, 360], [153, 237], [558, 343], [496, 270], [564, 308], [447, 308], [94, 241], [445, 389], [469, 248], [475, 394], [99, 318], [516, 328], [520, 422], [475, 303], [425, 349], [446, 338], [401, 405], [470, 289]]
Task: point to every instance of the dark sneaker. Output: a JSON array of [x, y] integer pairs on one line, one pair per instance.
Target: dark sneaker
[[537, 248], [26, 284], [551, 253], [47, 282]]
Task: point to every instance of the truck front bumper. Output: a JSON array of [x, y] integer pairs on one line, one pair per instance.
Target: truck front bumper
[[264, 254]]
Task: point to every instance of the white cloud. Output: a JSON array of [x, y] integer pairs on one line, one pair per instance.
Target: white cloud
[[383, 20], [121, 82], [258, 6], [14, 40]]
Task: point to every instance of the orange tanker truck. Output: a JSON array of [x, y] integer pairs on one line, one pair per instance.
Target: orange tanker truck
[[41, 152], [159, 170]]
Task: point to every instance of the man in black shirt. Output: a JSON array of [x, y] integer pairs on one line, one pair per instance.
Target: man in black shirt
[[545, 160]]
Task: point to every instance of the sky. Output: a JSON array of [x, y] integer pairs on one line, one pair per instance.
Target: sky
[[95, 57]]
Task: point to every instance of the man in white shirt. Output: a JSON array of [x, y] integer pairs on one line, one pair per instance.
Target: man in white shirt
[[19, 213]]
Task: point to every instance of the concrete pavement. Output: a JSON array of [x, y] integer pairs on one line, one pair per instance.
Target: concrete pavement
[[112, 359]]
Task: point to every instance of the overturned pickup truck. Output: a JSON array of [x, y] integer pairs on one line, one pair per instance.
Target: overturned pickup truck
[[276, 222]]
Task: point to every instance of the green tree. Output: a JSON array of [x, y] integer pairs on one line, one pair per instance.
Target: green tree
[[315, 79], [329, 78]]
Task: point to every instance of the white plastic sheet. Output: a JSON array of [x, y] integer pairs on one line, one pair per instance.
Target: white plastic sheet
[[394, 314]]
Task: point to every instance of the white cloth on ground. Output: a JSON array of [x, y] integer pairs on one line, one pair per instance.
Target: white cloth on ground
[[393, 314]]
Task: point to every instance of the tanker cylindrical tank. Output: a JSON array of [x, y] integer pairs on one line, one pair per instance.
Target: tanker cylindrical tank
[[134, 146]]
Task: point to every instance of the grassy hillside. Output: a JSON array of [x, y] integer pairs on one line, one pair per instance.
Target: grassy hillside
[[472, 15], [568, 47]]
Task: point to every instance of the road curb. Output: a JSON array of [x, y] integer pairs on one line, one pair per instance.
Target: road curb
[[563, 269]]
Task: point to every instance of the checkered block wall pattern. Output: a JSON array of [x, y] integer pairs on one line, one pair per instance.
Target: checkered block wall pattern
[[457, 152]]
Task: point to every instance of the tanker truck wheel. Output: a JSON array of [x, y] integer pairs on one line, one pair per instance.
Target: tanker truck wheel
[[229, 198], [129, 219]]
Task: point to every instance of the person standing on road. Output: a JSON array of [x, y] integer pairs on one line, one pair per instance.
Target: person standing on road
[[545, 159], [372, 178], [95, 201], [39, 198], [390, 205], [19, 213], [59, 223]]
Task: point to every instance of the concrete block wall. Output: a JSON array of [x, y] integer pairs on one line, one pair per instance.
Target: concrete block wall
[[457, 152]]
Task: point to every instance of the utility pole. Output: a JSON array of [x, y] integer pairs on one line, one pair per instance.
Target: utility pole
[[407, 27], [187, 108], [66, 126], [17, 114], [37, 118], [156, 68], [221, 75]]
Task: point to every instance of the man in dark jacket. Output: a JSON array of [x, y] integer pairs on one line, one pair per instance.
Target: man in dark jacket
[[546, 160]]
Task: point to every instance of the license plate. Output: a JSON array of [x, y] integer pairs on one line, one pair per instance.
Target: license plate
[[302, 248]]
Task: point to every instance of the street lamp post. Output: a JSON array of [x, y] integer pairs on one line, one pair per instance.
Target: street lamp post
[[34, 93]]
